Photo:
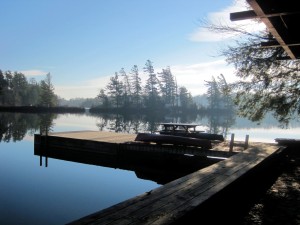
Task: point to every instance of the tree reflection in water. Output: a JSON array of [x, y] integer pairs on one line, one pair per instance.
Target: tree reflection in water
[[214, 122], [14, 126]]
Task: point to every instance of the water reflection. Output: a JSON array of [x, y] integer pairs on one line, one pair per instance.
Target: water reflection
[[64, 190], [128, 123], [214, 123], [14, 126]]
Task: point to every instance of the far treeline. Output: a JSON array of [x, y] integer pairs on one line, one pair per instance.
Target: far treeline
[[125, 92], [16, 90], [159, 93]]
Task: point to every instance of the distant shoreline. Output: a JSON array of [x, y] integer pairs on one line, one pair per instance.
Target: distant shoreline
[[41, 109]]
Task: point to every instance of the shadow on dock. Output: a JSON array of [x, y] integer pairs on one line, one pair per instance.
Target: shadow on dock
[[232, 204]]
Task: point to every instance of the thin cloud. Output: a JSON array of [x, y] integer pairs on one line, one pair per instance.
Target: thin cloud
[[194, 76], [79, 91], [33, 73], [202, 34], [191, 76], [88, 89]]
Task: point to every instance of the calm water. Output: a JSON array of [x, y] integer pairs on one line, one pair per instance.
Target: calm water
[[36, 194]]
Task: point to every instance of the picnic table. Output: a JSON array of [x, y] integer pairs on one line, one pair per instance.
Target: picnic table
[[186, 127]]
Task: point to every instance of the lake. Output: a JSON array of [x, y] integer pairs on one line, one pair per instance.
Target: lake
[[35, 192]]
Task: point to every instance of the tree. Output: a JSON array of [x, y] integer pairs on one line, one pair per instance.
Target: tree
[[213, 94], [185, 98], [104, 98], [126, 86], [20, 89], [266, 84], [218, 94], [152, 86], [3, 87], [16, 90], [168, 86], [8, 90], [47, 96], [33, 92], [225, 91], [115, 89], [136, 86]]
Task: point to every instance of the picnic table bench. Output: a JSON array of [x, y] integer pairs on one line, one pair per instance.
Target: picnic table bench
[[180, 127]]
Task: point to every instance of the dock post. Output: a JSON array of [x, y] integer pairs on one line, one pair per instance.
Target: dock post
[[231, 143], [246, 141]]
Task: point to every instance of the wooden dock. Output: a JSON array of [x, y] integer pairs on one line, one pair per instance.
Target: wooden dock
[[112, 143], [196, 195], [160, 164]]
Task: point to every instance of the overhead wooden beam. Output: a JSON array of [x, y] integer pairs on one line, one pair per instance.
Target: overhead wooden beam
[[251, 14], [276, 44], [268, 44], [260, 13], [244, 15]]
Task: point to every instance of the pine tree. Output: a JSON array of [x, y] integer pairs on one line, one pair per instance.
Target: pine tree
[[3, 88], [185, 98], [151, 87], [115, 89], [104, 98], [47, 96], [126, 87], [213, 94], [265, 83], [136, 86], [168, 86]]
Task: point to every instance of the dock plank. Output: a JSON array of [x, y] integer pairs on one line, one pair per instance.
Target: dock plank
[[170, 202], [186, 198], [110, 137]]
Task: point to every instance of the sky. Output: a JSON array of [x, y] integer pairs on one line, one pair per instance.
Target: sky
[[82, 43]]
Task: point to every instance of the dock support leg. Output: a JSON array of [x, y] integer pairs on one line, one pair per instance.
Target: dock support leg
[[231, 143], [246, 141]]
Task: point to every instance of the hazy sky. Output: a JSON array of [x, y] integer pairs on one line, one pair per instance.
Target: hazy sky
[[82, 43]]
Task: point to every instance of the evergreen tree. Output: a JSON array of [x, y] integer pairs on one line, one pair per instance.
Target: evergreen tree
[[152, 86], [33, 92], [168, 86], [8, 91], [47, 97], [185, 98], [126, 87], [104, 98], [20, 89], [3, 88], [219, 94], [266, 84], [136, 86], [213, 94], [116, 89], [224, 88]]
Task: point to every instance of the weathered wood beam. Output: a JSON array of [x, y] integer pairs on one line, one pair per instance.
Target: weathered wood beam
[[276, 44], [244, 15], [251, 14], [268, 44], [260, 13]]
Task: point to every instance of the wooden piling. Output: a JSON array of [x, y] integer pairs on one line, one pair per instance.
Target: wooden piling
[[246, 141], [231, 143]]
